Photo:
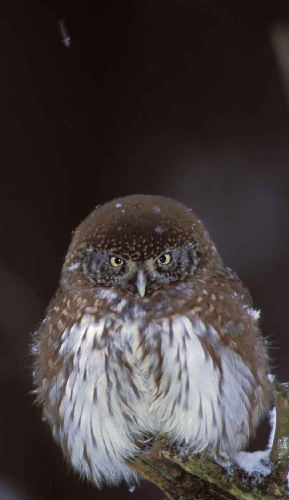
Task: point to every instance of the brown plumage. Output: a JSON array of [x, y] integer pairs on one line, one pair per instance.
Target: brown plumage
[[148, 333]]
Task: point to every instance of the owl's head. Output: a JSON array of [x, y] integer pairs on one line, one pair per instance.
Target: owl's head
[[138, 243]]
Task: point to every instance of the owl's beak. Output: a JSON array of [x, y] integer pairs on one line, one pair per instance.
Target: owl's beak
[[141, 283]]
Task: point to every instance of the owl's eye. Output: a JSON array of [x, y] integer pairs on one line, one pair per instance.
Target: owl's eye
[[116, 261], [164, 259]]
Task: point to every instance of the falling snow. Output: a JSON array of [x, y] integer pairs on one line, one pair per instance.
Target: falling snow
[[117, 205], [156, 208], [66, 40], [159, 229]]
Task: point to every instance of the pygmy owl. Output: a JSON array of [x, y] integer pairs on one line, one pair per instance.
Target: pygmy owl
[[148, 335]]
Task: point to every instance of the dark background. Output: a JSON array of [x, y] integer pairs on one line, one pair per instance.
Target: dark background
[[180, 98]]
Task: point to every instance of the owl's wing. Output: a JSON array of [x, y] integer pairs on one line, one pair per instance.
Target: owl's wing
[[207, 391], [83, 403]]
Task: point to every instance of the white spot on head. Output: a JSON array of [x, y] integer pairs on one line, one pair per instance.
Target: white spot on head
[[92, 214], [117, 205], [159, 229], [123, 210], [156, 208]]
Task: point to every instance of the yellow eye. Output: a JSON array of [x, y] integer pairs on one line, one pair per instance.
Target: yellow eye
[[164, 259], [116, 261]]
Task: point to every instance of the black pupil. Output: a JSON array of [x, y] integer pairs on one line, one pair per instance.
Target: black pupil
[[163, 259], [118, 261]]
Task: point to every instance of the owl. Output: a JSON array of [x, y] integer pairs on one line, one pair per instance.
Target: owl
[[148, 336]]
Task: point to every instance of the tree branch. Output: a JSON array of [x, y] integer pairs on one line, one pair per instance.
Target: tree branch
[[197, 477]]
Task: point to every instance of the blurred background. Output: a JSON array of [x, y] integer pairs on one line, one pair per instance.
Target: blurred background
[[183, 98]]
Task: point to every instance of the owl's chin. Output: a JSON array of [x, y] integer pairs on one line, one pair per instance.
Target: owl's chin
[[133, 293]]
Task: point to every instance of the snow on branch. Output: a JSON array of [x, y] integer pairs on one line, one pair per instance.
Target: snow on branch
[[260, 475]]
